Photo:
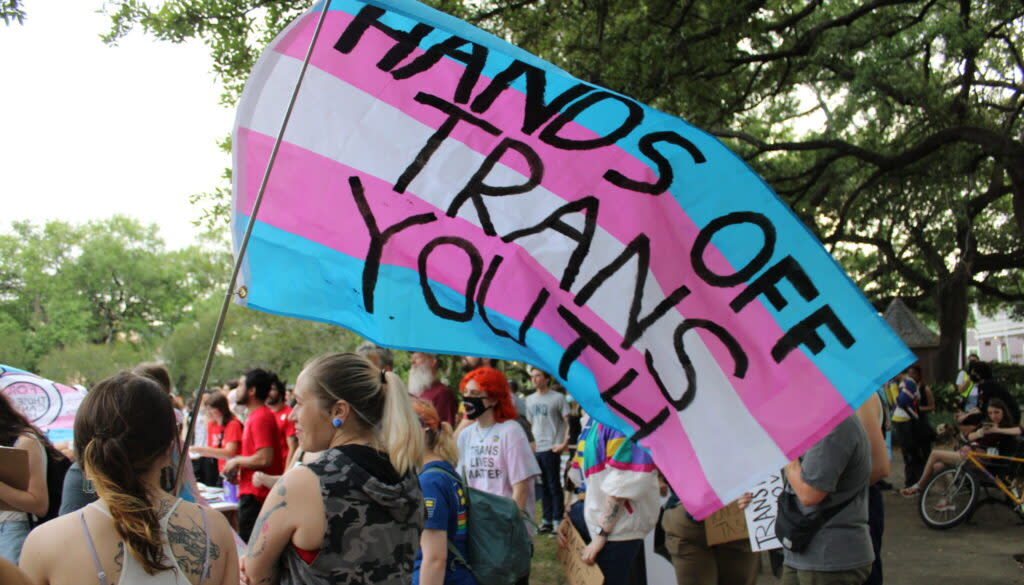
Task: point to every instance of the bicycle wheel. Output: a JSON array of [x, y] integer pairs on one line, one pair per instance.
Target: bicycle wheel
[[948, 499]]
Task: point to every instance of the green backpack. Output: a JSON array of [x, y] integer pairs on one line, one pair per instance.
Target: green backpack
[[498, 544]]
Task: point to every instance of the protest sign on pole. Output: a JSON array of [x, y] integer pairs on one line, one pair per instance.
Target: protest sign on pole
[[47, 404], [761, 514], [440, 189]]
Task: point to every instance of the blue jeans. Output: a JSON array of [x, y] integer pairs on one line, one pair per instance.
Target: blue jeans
[[12, 537], [616, 558], [551, 505]]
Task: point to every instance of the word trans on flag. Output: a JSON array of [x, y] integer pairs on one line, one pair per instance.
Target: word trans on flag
[[440, 189]]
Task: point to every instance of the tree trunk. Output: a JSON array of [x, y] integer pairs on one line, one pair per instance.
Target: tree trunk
[[951, 300]]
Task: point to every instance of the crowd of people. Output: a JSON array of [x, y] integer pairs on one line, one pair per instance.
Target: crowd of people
[[353, 475]]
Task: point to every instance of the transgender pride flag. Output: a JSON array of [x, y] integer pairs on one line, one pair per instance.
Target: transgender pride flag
[[440, 189], [47, 404]]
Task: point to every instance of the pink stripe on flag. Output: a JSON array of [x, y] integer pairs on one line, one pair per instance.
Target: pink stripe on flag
[[770, 393], [307, 191]]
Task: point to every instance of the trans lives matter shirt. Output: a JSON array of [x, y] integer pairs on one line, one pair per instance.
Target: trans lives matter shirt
[[497, 457]]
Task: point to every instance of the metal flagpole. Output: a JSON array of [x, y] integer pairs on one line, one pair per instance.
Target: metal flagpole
[[190, 434]]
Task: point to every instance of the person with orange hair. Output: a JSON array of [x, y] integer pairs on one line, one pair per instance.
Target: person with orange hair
[[494, 452], [446, 503]]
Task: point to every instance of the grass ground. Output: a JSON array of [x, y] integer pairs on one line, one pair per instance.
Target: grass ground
[[545, 568]]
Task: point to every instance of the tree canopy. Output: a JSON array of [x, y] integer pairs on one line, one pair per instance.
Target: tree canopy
[[79, 302], [891, 127], [12, 11]]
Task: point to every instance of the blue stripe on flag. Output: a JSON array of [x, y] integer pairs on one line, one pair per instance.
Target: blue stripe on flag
[[304, 270], [725, 183]]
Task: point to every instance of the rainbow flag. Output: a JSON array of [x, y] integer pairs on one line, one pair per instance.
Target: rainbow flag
[[440, 189]]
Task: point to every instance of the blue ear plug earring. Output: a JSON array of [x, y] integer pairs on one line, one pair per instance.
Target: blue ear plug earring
[[336, 423]]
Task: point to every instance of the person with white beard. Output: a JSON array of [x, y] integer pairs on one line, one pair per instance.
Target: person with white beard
[[423, 383]]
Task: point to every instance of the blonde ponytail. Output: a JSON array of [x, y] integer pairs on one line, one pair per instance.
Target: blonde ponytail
[[400, 432], [444, 445]]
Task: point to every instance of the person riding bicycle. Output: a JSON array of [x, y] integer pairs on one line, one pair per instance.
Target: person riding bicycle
[[997, 433]]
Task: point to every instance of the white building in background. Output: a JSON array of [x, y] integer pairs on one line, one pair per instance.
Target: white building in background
[[999, 338]]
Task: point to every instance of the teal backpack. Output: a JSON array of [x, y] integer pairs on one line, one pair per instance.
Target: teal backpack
[[498, 544]]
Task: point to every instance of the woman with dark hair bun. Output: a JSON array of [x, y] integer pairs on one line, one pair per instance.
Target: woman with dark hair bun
[[136, 533], [16, 431]]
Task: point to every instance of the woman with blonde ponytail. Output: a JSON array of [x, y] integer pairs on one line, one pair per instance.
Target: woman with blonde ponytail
[[136, 533], [354, 515], [447, 508]]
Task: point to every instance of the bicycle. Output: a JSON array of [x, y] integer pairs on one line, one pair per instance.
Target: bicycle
[[953, 495]]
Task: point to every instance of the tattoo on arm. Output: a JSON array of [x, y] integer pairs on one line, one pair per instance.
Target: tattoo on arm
[[119, 557], [261, 527], [610, 514]]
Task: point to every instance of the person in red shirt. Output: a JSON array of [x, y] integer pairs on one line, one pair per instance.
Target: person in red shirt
[[276, 403], [261, 449], [423, 383], [223, 431]]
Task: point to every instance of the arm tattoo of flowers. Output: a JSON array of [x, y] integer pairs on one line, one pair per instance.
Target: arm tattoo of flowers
[[261, 527]]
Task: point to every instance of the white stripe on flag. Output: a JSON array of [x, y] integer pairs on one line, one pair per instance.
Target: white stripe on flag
[[379, 153]]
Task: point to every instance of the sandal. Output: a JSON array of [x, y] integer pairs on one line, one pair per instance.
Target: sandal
[[910, 491]]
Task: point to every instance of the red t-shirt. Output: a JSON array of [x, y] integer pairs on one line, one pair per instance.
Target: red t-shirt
[[220, 437], [286, 427], [260, 432], [440, 395]]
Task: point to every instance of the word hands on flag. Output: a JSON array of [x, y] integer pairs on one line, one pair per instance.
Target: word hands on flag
[[442, 190]]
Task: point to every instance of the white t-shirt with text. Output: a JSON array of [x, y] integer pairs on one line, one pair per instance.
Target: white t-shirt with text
[[496, 457]]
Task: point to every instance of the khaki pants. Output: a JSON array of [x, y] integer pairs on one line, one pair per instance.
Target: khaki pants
[[791, 576], [696, 563]]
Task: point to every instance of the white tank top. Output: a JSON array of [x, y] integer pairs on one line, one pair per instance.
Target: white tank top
[[133, 573]]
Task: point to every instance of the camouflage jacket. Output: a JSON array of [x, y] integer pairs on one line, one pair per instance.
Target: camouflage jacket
[[373, 528]]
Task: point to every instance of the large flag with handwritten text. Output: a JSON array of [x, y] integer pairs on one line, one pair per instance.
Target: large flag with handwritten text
[[439, 189], [47, 404]]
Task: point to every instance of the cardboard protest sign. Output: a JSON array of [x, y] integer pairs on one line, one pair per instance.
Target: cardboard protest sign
[[571, 556], [47, 404], [725, 525], [761, 514], [13, 470], [440, 189]]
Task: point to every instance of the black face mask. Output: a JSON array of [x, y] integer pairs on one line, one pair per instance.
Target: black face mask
[[474, 407]]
